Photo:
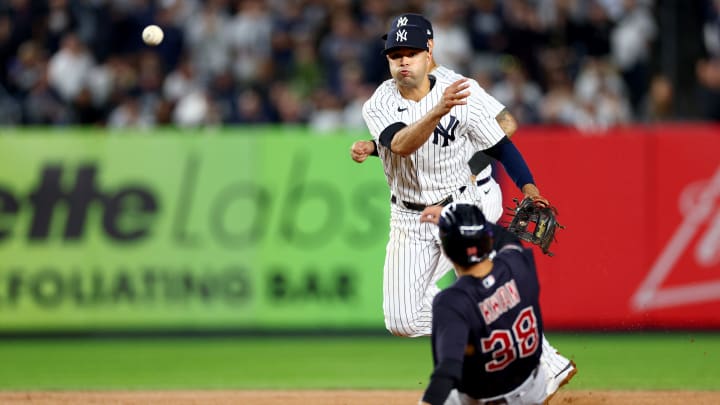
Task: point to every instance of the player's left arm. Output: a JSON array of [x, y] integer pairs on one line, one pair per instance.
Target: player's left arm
[[480, 159], [507, 122], [508, 154], [491, 138], [450, 335], [504, 118]]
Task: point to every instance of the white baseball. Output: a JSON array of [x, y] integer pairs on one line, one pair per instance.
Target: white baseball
[[152, 35]]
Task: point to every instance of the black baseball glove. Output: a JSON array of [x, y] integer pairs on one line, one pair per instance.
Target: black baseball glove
[[534, 223]]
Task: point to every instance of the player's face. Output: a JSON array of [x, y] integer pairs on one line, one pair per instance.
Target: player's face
[[408, 66]]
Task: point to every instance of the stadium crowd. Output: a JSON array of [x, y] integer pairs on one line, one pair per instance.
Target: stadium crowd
[[587, 63]]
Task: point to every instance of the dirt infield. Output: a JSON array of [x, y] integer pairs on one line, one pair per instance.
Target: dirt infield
[[339, 397]]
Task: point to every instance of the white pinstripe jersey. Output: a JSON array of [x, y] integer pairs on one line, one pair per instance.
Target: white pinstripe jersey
[[439, 167], [494, 107], [491, 103]]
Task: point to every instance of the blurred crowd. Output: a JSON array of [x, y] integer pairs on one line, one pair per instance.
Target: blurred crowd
[[587, 63]]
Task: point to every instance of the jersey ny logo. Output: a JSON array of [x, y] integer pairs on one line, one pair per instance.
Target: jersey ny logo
[[448, 133]]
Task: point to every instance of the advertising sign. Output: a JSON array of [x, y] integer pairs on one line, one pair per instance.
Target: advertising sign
[[281, 230], [174, 231], [641, 206]]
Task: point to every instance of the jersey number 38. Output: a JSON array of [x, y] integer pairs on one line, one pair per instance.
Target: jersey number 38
[[505, 349]]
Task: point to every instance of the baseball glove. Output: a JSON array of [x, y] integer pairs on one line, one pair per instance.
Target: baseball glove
[[534, 223]]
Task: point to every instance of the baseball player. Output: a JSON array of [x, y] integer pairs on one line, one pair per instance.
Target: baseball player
[[413, 107], [491, 195], [488, 325], [426, 129]]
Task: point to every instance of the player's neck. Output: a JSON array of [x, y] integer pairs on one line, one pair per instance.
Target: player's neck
[[479, 270], [416, 93]]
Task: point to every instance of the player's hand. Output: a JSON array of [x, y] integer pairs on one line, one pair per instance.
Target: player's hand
[[455, 94], [431, 214], [360, 150], [531, 191]]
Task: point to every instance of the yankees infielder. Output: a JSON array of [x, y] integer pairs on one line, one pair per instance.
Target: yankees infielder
[[429, 171], [490, 193], [487, 326], [426, 129]]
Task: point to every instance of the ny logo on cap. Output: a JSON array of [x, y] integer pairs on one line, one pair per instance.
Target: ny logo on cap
[[401, 36], [402, 21]]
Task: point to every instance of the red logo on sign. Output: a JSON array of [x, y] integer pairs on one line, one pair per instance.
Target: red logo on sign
[[695, 244]]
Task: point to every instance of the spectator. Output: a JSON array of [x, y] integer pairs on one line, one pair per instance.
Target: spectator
[[290, 32], [352, 114], [595, 31], [328, 113], [10, 111], [558, 105], [223, 91], [181, 81], [53, 53], [196, 109], [306, 74], [84, 111], [658, 104], [518, 94], [70, 67], [453, 47], [600, 91], [27, 69], [6, 51], [631, 43], [249, 34], [43, 106], [340, 46], [250, 109], [60, 21], [486, 26], [289, 108], [525, 34], [207, 39], [129, 115], [708, 68], [708, 73]]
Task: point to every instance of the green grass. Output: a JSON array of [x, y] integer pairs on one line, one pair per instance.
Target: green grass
[[644, 361], [614, 361]]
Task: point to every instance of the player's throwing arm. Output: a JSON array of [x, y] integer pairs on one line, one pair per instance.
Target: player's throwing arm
[[412, 137]]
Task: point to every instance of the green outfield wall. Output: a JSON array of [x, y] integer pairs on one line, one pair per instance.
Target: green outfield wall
[[228, 230]]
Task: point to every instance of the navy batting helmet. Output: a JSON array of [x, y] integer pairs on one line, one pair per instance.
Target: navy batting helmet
[[466, 235]]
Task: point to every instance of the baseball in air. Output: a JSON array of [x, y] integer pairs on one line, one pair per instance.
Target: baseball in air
[[152, 35]]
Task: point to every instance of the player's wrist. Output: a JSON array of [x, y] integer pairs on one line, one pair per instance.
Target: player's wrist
[[530, 190]]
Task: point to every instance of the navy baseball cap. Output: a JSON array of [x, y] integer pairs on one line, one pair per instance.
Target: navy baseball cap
[[406, 36], [411, 19]]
